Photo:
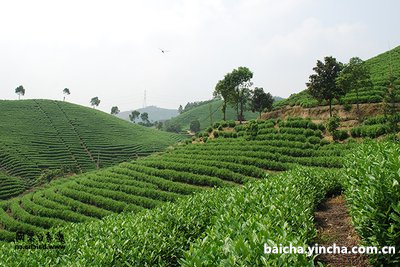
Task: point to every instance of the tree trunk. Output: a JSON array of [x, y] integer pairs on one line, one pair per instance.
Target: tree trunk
[[330, 108], [64, 98], [19, 96], [358, 106], [241, 113], [224, 109]]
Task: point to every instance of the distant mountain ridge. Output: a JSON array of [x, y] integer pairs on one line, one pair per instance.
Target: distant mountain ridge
[[155, 113]]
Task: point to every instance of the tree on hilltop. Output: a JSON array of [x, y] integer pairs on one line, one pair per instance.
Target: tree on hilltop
[[261, 101], [20, 90], [180, 109], [134, 115], [66, 92], [115, 110], [354, 76], [145, 117], [95, 101], [322, 84]]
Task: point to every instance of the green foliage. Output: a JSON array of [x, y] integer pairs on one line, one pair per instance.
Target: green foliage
[[11, 186], [20, 90], [261, 101], [115, 110], [371, 131], [373, 193], [195, 126], [332, 124], [191, 231], [95, 102], [322, 84], [340, 135]]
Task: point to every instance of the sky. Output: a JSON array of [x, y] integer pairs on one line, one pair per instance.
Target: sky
[[111, 49]]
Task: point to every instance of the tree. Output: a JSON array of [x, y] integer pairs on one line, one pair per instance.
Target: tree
[[355, 75], [239, 84], [158, 125], [173, 127], [180, 109], [134, 114], [145, 117], [261, 101], [95, 101], [114, 110], [222, 90], [20, 90], [66, 92], [195, 126], [322, 84]]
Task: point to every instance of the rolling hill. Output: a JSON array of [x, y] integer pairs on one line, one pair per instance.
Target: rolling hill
[[155, 113], [36, 135], [379, 68], [202, 114]]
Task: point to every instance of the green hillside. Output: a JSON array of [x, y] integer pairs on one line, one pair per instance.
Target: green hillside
[[11, 186], [202, 114], [379, 68], [150, 181], [39, 134]]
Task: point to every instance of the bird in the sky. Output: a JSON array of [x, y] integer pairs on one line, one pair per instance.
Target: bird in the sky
[[163, 51]]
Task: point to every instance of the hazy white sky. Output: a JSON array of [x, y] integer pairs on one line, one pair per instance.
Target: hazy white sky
[[110, 49]]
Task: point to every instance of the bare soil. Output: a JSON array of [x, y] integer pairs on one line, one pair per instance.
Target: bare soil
[[334, 226]]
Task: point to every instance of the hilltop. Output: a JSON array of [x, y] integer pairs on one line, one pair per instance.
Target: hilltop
[[36, 135], [379, 68], [155, 113]]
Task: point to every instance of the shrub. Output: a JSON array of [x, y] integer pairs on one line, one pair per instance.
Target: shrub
[[332, 124], [216, 134], [347, 106], [340, 135], [372, 188]]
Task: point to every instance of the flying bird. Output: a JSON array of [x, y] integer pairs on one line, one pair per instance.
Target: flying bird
[[163, 51]]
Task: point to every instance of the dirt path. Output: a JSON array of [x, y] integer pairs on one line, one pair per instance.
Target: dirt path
[[334, 226]]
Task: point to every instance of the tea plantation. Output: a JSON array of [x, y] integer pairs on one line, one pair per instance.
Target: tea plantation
[[36, 135], [148, 182], [228, 226]]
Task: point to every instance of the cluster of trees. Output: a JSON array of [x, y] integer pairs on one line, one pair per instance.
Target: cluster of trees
[[235, 90], [333, 80]]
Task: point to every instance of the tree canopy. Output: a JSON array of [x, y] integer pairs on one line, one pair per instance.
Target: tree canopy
[[322, 84], [66, 92], [261, 101], [20, 90], [95, 101], [134, 115], [355, 75], [115, 110], [195, 126]]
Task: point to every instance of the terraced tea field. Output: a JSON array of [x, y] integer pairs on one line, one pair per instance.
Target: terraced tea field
[[41, 134], [148, 182]]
